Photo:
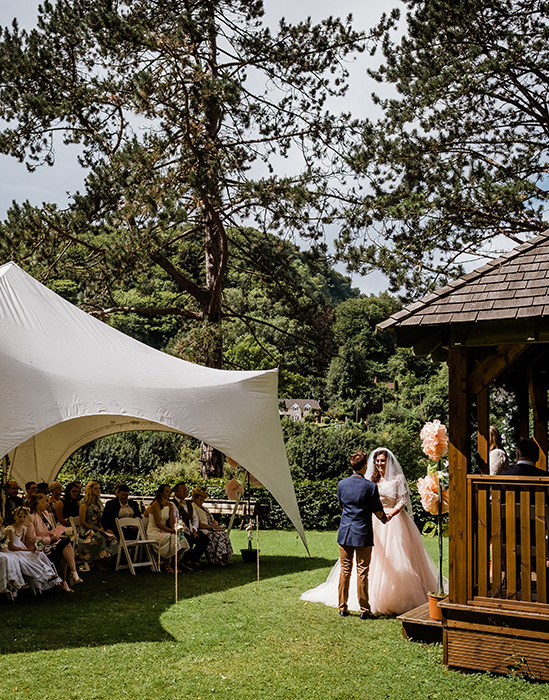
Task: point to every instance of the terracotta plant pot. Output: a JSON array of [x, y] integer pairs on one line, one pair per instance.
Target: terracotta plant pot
[[435, 613]]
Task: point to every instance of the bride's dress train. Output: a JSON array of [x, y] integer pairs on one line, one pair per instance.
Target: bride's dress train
[[401, 571]]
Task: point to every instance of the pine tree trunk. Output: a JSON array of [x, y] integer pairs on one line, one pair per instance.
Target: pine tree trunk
[[215, 253], [211, 462]]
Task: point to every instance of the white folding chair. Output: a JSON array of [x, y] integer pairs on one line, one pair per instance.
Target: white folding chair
[[140, 545]]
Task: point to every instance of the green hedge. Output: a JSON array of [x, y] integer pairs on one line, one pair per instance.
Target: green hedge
[[317, 500]]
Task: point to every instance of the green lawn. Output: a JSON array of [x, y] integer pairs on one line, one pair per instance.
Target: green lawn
[[227, 638]]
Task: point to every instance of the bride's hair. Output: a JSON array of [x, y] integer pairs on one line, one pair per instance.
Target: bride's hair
[[393, 472], [358, 460]]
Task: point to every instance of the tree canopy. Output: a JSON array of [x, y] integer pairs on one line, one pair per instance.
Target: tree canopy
[[458, 162], [183, 113], [180, 111]]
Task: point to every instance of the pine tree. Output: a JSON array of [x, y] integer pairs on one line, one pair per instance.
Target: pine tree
[[458, 162], [183, 112]]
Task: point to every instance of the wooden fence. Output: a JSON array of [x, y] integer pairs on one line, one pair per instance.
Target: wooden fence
[[507, 532]]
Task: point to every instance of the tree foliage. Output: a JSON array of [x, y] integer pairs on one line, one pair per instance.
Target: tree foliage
[[179, 110], [357, 376], [458, 162]]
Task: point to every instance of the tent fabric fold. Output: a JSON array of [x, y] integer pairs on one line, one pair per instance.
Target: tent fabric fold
[[68, 378]]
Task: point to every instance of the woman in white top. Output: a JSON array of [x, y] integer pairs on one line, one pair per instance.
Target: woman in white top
[[498, 457], [162, 528], [35, 565]]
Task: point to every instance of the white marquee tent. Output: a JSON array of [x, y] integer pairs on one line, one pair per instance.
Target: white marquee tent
[[67, 378]]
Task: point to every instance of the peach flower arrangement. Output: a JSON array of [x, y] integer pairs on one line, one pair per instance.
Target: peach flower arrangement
[[433, 488], [434, 440], [234, 490], [428, 490], [435, 445]]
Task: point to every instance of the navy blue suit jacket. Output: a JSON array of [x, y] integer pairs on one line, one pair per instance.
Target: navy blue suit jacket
[[359, 500], [522, 469]]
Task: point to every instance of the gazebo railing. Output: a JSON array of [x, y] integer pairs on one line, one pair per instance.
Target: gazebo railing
[[507, 534]]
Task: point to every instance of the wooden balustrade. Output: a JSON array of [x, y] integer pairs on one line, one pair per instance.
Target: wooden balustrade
[[508, 529]]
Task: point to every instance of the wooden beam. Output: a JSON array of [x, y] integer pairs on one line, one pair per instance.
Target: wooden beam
[[458, 456], [440, 354], [426, 345], [537, 385], [500, 331], [483, 430], [522, 406], [492, 366]]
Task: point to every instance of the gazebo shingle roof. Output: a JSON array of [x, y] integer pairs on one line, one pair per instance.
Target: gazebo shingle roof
[[515, 286]]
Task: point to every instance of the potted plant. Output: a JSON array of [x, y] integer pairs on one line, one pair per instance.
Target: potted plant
[[249, 555], [433, 489]]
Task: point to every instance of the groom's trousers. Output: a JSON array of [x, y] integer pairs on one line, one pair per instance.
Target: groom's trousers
[[346, 556]]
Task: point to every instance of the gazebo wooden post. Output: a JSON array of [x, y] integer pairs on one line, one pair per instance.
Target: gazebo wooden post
[[522, 407], [537, 384], [459, 431], [483, 429]]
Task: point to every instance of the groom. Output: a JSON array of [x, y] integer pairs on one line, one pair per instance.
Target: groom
[[359, 499]]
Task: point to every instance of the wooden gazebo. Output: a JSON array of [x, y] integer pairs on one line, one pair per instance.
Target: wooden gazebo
[[492, 328]]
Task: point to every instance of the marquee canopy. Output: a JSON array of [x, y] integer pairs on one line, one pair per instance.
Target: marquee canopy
[[67, 378]]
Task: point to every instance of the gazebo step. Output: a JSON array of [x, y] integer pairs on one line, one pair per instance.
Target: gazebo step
[[418, 626]]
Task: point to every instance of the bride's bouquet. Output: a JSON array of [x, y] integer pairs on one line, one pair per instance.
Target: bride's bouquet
[[433, 488]]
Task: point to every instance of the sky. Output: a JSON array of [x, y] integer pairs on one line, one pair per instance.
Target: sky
[[53, 184]]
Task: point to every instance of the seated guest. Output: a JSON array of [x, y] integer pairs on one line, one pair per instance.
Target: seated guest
[[94, 543], [218, 549], [121, 506], [186, 514], [11, 577], [55, 490], [527, 452], [68, 506], [161, 528], [35, 566], [31, 489], [42, 534], [13, 500]]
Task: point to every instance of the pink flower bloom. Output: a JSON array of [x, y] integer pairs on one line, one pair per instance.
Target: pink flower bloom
[[428, 490], [233, 489], [434, 440]]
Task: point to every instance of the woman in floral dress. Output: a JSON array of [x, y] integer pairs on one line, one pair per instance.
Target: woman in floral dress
[[219, 549], [94, 544]]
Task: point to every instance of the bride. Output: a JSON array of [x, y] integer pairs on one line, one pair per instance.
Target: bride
[[401, 571]]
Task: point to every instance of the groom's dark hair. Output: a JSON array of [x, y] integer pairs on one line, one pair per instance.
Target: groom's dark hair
[[358, 460]]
